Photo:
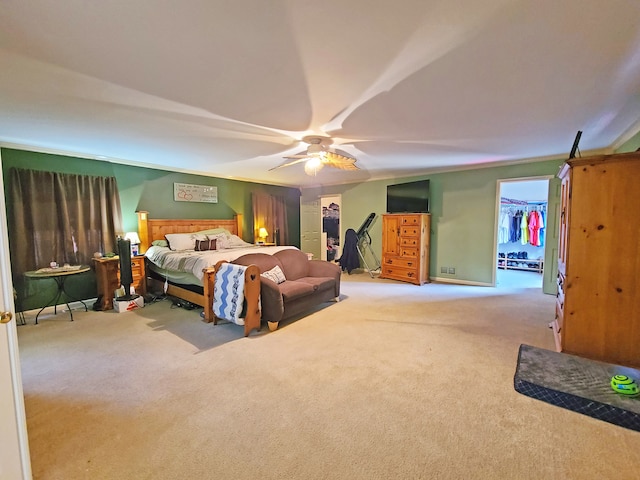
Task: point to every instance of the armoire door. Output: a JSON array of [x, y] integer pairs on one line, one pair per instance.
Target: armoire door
[[390, 233]]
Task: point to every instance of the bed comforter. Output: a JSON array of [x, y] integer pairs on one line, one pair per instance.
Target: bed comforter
[[190, 261]]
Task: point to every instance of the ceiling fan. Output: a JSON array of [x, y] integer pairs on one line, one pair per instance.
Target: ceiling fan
[[318, 154]]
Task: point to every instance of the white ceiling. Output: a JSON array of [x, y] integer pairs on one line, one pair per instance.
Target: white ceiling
[[228, 87]]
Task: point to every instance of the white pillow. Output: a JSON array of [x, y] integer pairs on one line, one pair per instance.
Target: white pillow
[[275, 275], [214, 231], [236, 241], [222, 241], [181, 241]]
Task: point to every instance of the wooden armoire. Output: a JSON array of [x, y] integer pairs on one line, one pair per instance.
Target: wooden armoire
[[598, 299], [405, 247]]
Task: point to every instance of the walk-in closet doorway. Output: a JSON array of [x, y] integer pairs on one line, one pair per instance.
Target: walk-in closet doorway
[[521, 232]]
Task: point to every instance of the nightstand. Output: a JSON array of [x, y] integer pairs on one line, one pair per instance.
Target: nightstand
[[108, 279]]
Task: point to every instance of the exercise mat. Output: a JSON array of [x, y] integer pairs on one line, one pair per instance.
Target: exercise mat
[[577, 384]]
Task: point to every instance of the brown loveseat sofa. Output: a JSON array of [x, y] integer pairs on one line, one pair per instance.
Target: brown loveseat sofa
[[308, 283]]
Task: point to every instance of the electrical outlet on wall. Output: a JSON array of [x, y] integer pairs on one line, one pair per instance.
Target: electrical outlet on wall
[[444, 269], [452, 271]]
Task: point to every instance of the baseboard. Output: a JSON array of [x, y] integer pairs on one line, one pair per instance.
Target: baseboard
[[457, 281]]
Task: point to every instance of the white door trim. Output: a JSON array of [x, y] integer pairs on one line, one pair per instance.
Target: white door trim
[[499, 183], [14, 453]]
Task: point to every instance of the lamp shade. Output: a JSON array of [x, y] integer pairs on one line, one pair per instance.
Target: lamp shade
[[262, 233], [133, 238]]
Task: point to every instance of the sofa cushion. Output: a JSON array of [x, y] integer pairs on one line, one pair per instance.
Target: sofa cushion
[[319, 283], [295, 263], [292, 290]]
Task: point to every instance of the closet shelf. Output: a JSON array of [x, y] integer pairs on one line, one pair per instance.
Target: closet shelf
[[528, 265]]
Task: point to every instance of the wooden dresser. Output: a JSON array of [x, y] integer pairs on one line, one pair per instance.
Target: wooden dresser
[[598, 299], [405, 247], [108, 279]]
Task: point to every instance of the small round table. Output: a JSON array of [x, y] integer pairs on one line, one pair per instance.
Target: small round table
[[59, 274]]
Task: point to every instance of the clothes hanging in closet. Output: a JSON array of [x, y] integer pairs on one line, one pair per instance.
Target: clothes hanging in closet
[[542, 227], [536, 225], [521, 222], [524, 229], [504, 227]]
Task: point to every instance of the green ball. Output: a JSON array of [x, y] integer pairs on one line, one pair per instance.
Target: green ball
[[624, 385]]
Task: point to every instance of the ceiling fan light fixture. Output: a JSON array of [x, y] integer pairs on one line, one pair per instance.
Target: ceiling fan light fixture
[[313, 166], [318, 154], [315, 150]]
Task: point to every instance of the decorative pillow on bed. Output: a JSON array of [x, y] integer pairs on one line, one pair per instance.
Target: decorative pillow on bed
[[236, 241], [181, 241], [221, 239], [202, 245], [275, 275], [160, 243]]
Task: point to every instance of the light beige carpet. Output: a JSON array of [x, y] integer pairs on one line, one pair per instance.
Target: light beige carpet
[[393, 382]]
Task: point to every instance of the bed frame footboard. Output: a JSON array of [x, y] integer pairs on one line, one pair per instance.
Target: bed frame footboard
[[251, 296]]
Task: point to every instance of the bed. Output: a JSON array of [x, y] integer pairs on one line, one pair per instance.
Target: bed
[[187, 274]]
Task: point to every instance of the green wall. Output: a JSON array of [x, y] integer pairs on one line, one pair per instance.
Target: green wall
[[630, 145], [463, 214], [152, 190]]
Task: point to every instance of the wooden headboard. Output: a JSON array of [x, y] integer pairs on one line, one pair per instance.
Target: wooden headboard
[[155, 229]]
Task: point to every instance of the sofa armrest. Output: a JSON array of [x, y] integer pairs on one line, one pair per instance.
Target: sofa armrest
[[321, 268], [271, 300]]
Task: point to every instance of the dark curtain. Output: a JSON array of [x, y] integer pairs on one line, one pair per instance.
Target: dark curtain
[[60, 217], [270, 212]]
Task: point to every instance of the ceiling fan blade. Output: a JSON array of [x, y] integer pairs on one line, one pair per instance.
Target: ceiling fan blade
[[346, 166], [339, 161], [292, 162]]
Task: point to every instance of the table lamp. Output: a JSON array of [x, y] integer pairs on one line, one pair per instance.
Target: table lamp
[[135, 242], [262, 234]]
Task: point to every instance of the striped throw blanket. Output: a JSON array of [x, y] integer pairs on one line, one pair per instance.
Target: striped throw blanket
[[228, 292]]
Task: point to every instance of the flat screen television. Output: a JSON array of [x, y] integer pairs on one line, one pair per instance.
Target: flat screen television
[[411, 197]]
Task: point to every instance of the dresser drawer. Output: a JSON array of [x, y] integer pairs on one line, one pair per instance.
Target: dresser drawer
[[400, 273], [410, 231], [557, 325], [411, 219], [138, 274], [561, 283], [412, 253], [559, 315], [560, 299], [409, 241], [401, 262], [137, 268]]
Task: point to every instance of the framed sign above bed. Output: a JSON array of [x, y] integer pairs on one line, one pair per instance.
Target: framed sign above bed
[[186, 192]]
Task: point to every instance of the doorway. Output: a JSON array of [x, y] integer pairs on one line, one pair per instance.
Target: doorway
[[331, 245], [521, 232]]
